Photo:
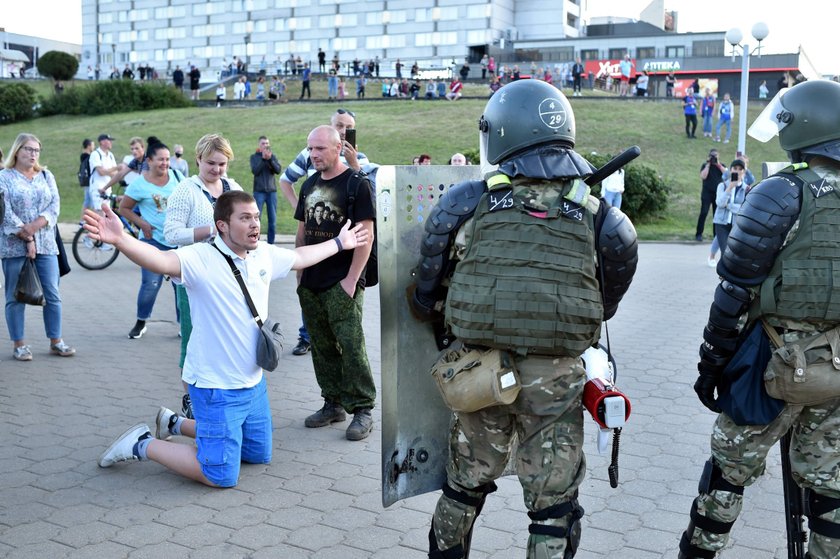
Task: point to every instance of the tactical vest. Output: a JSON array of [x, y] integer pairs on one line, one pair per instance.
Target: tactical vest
[[527, 280], [804, 283]]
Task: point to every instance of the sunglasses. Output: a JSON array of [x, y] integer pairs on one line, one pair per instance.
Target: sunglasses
[[345, 111]]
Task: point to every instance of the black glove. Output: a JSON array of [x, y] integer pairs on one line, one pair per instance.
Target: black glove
[[705, 389]]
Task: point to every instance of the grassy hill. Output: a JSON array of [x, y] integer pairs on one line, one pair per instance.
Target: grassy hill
[[394, 131]]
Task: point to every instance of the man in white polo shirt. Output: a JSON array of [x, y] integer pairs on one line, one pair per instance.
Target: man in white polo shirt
[[103, 166], [232, 417]]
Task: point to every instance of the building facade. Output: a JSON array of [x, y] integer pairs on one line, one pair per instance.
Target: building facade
[[209, 33]]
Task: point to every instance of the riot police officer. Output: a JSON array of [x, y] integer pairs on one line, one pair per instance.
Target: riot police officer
[[525, 263], [778, 274]]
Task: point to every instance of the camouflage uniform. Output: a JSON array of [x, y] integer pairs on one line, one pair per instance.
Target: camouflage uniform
[[739, 452], [547, 421]]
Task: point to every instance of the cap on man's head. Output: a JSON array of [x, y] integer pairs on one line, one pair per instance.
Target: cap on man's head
[[738, 163], [104, 137]]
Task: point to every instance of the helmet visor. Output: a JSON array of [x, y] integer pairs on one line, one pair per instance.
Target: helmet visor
[[486, 166], [772, 119]]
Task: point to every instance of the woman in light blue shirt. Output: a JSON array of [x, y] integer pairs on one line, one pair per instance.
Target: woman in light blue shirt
[[730, 196]]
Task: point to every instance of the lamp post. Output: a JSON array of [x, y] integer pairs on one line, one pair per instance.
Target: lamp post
[[733, 37]]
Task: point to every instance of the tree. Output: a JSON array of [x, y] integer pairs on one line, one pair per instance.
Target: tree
[[58, 65]]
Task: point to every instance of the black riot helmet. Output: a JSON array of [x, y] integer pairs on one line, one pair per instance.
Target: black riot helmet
[[805, 117], [522, 114]]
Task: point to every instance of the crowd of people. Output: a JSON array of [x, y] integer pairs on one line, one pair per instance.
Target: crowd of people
[[203, 231]]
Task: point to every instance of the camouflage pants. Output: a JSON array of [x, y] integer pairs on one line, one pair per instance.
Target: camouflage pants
[[334, 321], [741, 451], [547, 420]]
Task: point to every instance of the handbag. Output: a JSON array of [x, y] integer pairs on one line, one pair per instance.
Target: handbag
[[742, 393], [270, 339], [28, 289], [63, 264]]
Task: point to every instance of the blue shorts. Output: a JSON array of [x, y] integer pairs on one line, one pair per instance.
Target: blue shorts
[[232, 426]]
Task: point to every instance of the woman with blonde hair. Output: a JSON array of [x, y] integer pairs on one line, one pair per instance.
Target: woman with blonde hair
[[189, 218], [28, 227]]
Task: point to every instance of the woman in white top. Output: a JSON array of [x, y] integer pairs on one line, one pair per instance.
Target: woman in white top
[[189, 217]]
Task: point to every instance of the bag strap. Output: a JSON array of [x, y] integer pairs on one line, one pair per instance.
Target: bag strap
[[774, 336], [238, 275], [225, 188]]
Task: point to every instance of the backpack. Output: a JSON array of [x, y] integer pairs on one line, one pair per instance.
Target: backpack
[[372, 267], [84, 171]]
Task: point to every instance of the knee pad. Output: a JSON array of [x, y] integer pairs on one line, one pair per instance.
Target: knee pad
[[460, 495], [712, 480], [813, 506], [561, 510]]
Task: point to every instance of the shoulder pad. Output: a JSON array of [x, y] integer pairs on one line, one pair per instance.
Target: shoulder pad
[[617, 238], [618, 250], [455, 206], [768, 213]]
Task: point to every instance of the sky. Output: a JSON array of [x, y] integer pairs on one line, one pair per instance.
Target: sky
[[809, 23]]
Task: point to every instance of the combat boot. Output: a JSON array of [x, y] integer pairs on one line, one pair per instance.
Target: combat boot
[[361, 426], [332, 412]]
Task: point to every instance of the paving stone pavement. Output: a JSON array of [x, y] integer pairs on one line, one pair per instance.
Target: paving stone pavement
[[320, 496]]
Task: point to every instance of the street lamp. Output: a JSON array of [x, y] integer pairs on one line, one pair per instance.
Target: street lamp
[[733, 37]]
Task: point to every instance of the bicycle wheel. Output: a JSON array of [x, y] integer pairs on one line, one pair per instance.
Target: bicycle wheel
[[92, 254]]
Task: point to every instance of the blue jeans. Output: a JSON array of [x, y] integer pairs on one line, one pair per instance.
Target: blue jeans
[[613, 199], [231, 426], [270, 201], [149, 286], [302, 332], [707, 124], [47, 267], [728, 124]]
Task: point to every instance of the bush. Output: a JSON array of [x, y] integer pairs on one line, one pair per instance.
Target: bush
[[58, 65], [645, 193], [114, 96], [16, 102]]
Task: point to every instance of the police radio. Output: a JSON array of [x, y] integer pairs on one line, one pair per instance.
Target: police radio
[[607, 405]]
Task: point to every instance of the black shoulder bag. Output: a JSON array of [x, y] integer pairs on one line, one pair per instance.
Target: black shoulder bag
[[270, 340]]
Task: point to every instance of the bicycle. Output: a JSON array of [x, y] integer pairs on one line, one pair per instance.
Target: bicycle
[[92, 254]]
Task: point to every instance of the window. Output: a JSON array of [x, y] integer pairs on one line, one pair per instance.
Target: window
[[209, 8], [261, 26], [589, 54], [571, 20], [646, 52], [478, 11], [708, 48], [106, 18], [163, 33], [374, 18], [674, 52], [446, 14], [435, 39], [338, 20], [345, 43], [209, 30], [376, 42], [617, 53], [126, 36], [170, 12], [395, 16], [478, 37], [423, 14], [139, 15]]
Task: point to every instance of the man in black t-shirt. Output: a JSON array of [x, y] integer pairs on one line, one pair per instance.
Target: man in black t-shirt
[[332, 292], [711, 173]]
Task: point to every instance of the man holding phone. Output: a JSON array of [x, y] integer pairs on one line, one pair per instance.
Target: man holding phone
[[344, 122], [711, 173], [264, 166]]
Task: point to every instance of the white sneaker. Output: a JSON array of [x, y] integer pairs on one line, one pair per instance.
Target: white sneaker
[[121, 449], [87, 242], [162, 424], [106, 247], [711, 263]]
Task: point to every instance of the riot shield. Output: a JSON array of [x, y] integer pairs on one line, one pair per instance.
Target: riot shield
[[415, 422]]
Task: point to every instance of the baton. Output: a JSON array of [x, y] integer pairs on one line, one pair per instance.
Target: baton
[[794, 509], [613, 165]]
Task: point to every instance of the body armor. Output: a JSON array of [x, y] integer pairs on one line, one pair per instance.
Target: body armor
[[527, 282]]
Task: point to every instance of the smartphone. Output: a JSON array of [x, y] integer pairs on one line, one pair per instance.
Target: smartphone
[[350, 136], [734, 177]]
